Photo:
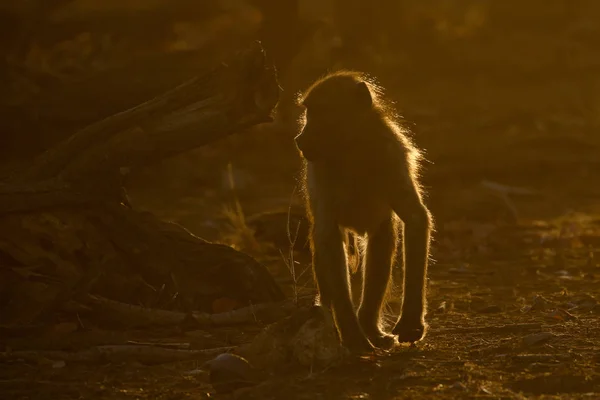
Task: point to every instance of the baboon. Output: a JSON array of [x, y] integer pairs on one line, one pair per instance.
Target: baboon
[[360, 175]]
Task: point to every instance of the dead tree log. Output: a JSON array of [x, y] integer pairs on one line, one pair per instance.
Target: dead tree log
[[66, 225]]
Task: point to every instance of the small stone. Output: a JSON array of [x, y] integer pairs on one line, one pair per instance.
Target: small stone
[[442, 308], [229, 372], [540, 303], [458, 386], [316, 343], [537, 338], [561, 315]]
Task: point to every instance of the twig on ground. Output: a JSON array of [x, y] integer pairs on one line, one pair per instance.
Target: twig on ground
[[504, 192], [292, 240], [491, 328]]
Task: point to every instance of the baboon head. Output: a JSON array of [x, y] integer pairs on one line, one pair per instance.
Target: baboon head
[[336, 107]]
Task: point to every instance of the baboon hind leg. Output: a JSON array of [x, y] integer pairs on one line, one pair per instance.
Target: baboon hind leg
[[381, 250], [331, 273]]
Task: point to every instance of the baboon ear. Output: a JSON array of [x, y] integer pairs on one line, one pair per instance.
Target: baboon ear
[[363, 94]]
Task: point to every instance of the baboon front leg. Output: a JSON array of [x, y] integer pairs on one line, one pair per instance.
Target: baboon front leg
[[409, 206], [333, 281], [411, 325], [381, 248]]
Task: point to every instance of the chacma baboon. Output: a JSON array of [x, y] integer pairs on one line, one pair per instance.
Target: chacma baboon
[[361, 175]]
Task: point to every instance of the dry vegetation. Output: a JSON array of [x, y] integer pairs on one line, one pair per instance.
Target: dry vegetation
[[503, 95]]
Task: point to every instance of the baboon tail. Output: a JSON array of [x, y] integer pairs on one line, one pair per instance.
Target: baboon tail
[[353, 247]]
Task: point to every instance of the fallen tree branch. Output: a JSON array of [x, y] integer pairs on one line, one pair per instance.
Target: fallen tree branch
[[227, 99], [18, 197], [137, 316], [117, 353], [145, 242], [73, 213]]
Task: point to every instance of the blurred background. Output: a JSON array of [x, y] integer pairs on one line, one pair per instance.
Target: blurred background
[[503, 96]]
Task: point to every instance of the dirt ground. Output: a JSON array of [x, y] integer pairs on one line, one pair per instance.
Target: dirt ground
[[513, 313]]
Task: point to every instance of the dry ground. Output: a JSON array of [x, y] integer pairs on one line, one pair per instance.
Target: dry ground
[[519, 320]]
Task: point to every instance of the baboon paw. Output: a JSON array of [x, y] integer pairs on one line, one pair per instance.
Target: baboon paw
[[380, 339], [409, 332], [383, 341]]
